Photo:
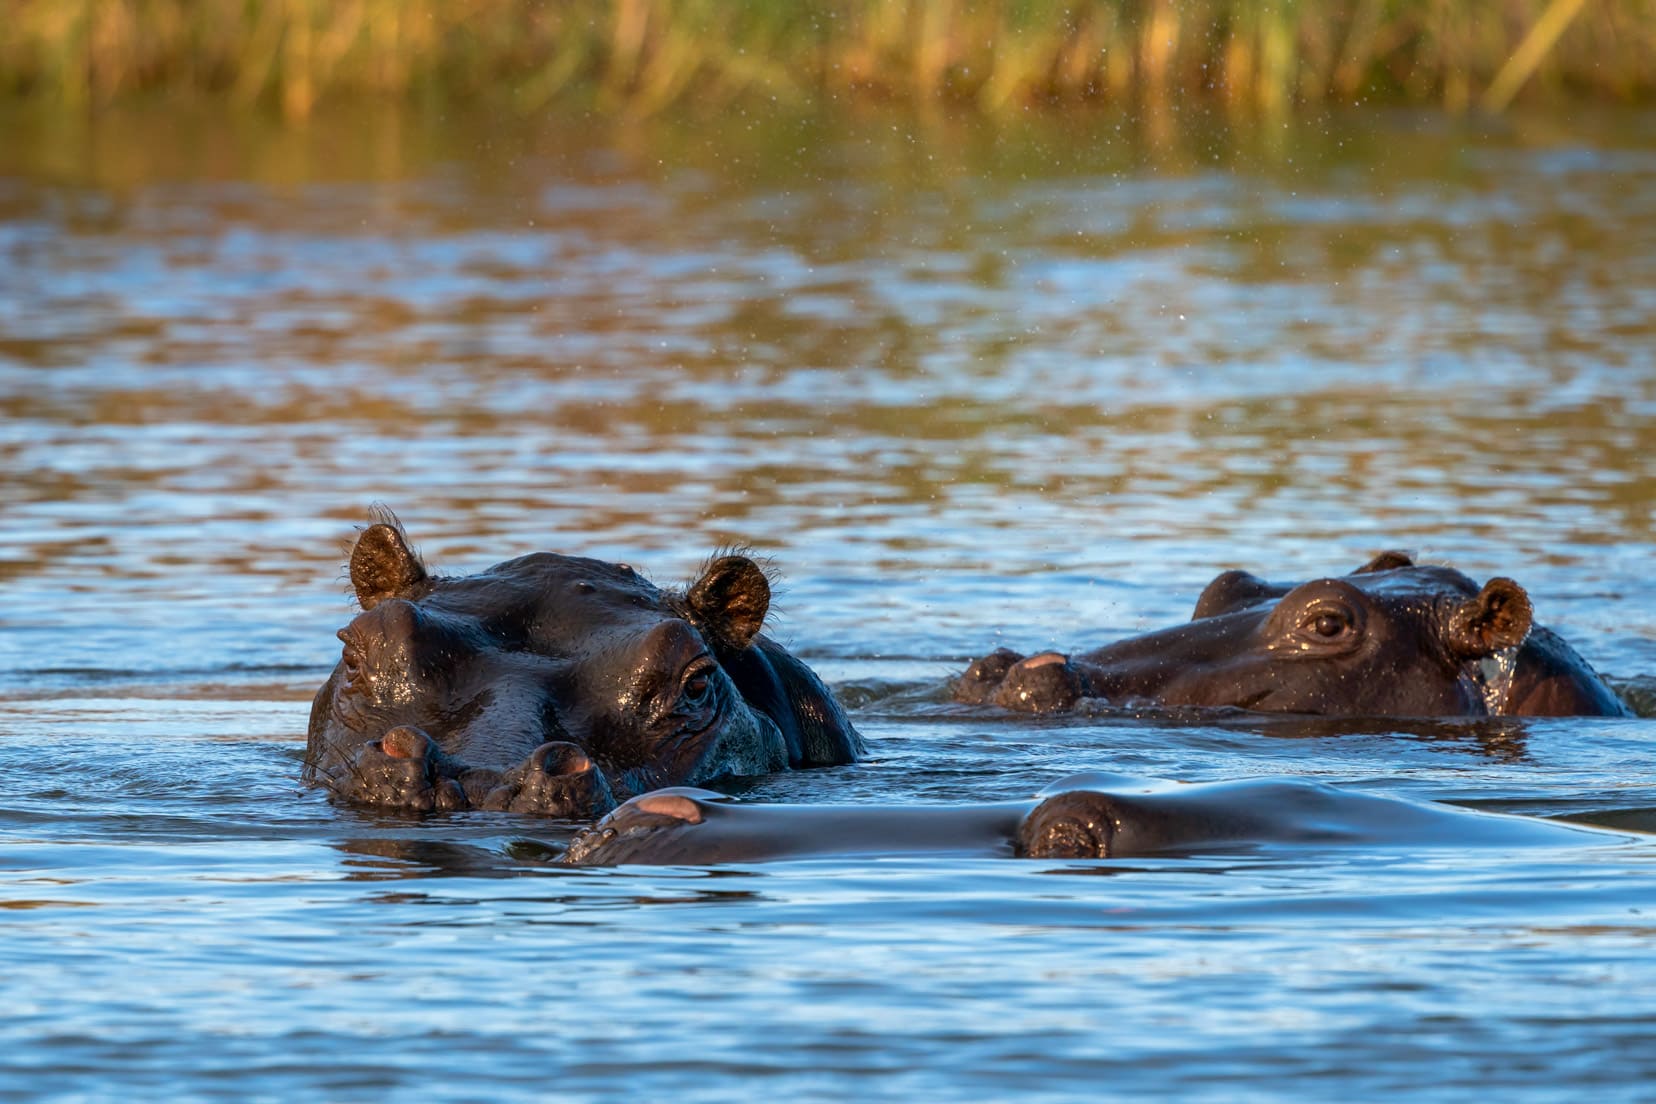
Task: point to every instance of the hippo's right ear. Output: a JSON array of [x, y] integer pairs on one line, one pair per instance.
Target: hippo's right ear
[[730, 600], [383, 566], [1386, 561], [1498, 618]]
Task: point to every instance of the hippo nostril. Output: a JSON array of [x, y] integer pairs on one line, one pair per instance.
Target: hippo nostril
[[560, 758], [1066, 839], [993, 666], [1040, 684], [405, 742], [1068, 826], [350, 655]]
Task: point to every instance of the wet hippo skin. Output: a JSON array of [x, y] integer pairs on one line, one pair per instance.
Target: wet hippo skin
[[556, 685], [1083, 817], [1391, 639]]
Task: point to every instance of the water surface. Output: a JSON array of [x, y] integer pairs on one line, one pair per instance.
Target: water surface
[[1030, 386]]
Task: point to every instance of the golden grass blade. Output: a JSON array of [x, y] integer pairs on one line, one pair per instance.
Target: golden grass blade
[[1540, 39]]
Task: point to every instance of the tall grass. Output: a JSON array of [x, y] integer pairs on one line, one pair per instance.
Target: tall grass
[[641, 56]]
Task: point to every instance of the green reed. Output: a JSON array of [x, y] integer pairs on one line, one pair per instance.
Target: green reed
[[642, 56]]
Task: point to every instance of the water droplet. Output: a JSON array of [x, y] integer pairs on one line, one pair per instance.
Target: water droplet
[[1495, 679]]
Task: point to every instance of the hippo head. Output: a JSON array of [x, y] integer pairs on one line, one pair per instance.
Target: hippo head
[[1376, 642], [1382, 641], [550, 683], [1546, 677]]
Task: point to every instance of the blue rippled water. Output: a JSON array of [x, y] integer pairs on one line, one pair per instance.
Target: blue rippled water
[[1030, 386]]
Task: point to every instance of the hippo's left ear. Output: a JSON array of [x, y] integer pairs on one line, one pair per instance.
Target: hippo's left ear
[[730, 600], [1497, 619]]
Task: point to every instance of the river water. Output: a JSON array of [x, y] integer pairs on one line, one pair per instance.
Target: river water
[[1030, 385]]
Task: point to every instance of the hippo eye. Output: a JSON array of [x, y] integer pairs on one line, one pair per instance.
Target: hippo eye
[[1325, 621], [1327, 624], [696, 686]]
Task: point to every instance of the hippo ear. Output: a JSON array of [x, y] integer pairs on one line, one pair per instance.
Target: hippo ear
[[1386, 561], [383, 566], [1497, 619], [730, 600], [1234, 590]]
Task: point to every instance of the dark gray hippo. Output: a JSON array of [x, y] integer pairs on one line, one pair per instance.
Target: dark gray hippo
[[554, 684], [1393, 638], [1083, 817]]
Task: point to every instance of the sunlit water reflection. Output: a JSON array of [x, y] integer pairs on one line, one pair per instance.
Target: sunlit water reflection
[[1031, 387]]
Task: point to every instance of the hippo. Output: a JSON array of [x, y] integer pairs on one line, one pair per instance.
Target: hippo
[[557, 685], [1086, 816], [1393, 638]]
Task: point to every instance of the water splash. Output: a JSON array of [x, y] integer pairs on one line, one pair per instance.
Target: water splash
[[1495, 674]]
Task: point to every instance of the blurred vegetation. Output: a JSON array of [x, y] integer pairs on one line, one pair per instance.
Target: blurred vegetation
[[642, 56]]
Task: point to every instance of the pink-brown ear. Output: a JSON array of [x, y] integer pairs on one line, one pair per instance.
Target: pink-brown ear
[[383, 566], [1386, 561], [1497, 619], [730, 600], [672, 805]]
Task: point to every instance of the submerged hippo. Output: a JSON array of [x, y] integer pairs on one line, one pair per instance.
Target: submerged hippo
[[1392, 638], [552, 684], [1084, 817]]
